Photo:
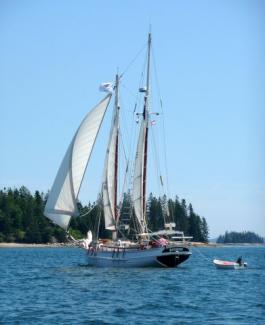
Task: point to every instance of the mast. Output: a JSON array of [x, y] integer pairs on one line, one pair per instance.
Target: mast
[[110, 178], [146, 118], [116, 162], [141, 158]]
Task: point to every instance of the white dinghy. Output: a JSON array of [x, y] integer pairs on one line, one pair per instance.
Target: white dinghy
[[229, 265]]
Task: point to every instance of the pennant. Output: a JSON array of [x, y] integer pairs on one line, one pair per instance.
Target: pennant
[[106, 87]]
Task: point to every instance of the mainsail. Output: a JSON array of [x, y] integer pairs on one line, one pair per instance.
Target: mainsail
[[61, 204], [140, 167], [109, 186], [138, 178]]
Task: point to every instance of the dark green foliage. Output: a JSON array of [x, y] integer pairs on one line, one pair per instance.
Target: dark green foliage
[[195, 228], [180, 215], [22, 219], [155, 214], [185, 218], [240, 237]]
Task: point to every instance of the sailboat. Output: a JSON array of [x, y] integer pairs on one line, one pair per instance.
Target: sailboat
[[148, 249]]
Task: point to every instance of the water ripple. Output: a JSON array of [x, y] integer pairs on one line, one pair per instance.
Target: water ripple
[[49, 286]]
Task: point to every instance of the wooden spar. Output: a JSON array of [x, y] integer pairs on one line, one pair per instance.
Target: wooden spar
[[145, 169], [146, 118], [116, 179], [116, 153]]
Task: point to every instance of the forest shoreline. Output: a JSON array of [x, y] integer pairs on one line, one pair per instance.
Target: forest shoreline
[[25, 245], [66, 245], [63, 245]]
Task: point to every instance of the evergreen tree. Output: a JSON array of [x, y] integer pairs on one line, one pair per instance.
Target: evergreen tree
[[240, 237], [22, 219], [205, 231], [195, 225], [155, 214]]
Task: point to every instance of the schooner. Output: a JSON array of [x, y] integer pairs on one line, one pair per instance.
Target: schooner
[[148, 249]]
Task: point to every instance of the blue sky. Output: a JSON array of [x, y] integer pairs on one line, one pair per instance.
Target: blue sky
[[210, 60]]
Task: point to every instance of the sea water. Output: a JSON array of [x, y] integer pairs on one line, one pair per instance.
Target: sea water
[[54, 286]]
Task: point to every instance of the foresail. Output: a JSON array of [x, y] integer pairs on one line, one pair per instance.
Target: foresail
[[138, 177], [61, 201], [61, 204]]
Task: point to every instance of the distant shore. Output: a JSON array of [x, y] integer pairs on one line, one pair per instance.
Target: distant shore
[[24, 245], [63, 245]]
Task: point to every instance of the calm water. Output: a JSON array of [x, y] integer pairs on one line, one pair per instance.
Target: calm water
[[53, 286]]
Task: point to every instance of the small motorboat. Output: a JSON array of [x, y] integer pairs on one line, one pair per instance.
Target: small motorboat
[[229, 265]]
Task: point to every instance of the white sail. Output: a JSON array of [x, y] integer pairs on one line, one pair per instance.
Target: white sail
[[61, 204], [137, 192], [108, 187]]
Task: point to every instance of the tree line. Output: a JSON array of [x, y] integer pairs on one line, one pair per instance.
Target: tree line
[[240, 237], [22, 219]]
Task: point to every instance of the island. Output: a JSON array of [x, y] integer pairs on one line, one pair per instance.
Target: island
[[245, 237]]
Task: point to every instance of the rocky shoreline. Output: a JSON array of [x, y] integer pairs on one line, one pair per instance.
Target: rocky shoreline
[[63, 245], [67, 244]]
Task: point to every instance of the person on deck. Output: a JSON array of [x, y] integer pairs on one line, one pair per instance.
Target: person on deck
[[239, 260]]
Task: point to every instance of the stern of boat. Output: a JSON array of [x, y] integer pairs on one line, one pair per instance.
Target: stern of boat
[[173, 256]]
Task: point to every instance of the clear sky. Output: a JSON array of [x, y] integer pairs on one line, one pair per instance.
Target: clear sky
[[210, 58]]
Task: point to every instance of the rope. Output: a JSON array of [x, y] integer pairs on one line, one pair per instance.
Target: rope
[[131, 63], [85, 214], [157, 163], [99, 219], [206, 258], [163, 124]]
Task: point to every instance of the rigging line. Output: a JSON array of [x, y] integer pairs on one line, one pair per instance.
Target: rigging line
[[138, 97], [94, 205], [131, 93], [157, 163], [135, 58], [132, 149], [163, 123], [131, 141], [123, 126], [205, 257], [126, 169], [137, 104], [86, 213], [157, 172], [135, 223], [99, 219], [89, 225], [124, 151], [142, 75]]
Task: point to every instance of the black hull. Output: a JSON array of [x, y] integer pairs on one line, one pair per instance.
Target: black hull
[[172, 260]]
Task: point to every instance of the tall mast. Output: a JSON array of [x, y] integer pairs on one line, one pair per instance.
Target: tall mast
[[116, 150], [110, 177], [140, 166], [146, 119], [148, 71]]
